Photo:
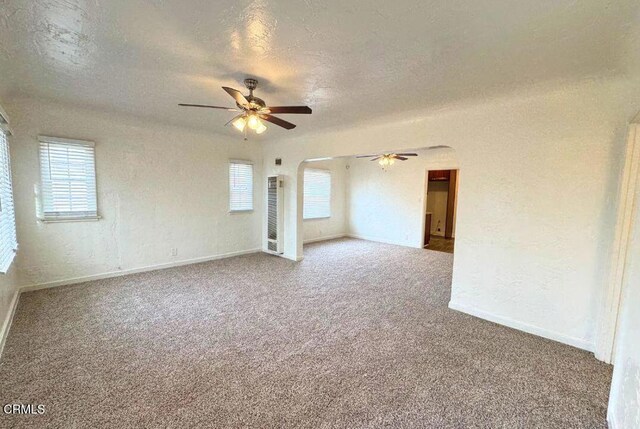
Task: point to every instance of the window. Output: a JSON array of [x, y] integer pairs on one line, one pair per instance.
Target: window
[[68, 174], [8, 242], [317, 194], [240, 186]]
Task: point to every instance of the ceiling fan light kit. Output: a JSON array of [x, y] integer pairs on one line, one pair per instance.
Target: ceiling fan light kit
[[388, 159], [254, 110]]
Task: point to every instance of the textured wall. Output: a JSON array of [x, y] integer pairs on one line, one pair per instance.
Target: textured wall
[[159, 188], [318, 229], [624, 407], [536, 256], [388, 206]]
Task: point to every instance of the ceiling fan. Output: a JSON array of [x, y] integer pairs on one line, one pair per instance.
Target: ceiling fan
[[253, 110], [387, 159]]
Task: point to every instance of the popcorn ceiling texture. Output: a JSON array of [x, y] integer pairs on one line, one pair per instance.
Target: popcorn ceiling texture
[[356, 335], [350, 61]]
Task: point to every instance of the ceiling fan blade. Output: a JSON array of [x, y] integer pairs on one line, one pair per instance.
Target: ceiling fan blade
[[280, 122], [237, 95], [376, 158], [290, 109], [366, 156], [407, 154], [230, 109], [401, 158]]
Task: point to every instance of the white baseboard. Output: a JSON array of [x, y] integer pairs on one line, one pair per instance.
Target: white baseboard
[[612, 421], [6, 324], [134, 270], [325, 238], [380, 240], [521, 326], [290, 257]]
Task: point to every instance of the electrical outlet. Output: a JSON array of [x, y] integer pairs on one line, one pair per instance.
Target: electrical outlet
[[174, 251]]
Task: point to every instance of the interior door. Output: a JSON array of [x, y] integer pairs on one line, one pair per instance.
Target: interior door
[[451, 204]]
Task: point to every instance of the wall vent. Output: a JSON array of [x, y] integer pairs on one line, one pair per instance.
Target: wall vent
[[275, 205]]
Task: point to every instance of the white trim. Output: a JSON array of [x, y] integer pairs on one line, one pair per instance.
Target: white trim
[[111, 274], [240, 161], [62, 219], [612, 420], [6, 325], [50, 139], [4, 122], [293, 258], [4, 268], [4, 118], [608, 319], [381, 240], [325, 238], [6, 128], [521, 326]]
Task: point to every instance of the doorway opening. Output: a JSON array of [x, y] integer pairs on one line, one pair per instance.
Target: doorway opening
[[440, 214]]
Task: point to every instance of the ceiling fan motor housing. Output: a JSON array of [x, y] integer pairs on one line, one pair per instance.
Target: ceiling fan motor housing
[[255, 103], [252, 109], [251, 84]]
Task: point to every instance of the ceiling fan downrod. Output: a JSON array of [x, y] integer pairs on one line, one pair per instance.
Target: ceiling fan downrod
[[251, 84]]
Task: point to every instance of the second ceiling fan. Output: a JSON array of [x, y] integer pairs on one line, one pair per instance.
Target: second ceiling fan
[[387, 159], [253, 110]]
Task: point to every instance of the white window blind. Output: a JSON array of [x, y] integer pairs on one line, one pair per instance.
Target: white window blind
[[317, 194], [8, 242], [68, 174], [240, 186]]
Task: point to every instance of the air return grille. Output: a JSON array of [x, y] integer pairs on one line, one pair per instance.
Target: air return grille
[[274, 214]]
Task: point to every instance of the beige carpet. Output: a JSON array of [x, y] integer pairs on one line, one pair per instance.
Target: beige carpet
[[358, 335]]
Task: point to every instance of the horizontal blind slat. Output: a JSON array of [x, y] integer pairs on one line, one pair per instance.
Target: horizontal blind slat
[[240, 186], [8, 239], [68, 179], [317, 194]]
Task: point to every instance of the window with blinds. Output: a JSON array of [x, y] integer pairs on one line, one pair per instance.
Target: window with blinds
[[68, 174], [8, 242], [240, 186], [317, 194]]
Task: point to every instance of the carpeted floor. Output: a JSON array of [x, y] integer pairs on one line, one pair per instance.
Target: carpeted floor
[[358, 335], [441, 244]]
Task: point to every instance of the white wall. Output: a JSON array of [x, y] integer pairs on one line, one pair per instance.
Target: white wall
[[8, 290], [336, 225], [388, 206], [437, 196], [624, 405], [159, 187], [534, 256]]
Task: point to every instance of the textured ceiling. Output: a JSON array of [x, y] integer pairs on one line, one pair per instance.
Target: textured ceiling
[[349, 60]]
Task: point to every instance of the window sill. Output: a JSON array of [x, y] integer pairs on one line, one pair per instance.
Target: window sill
[[4, 268], [240, 211], [317, 218], [69, 219]]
